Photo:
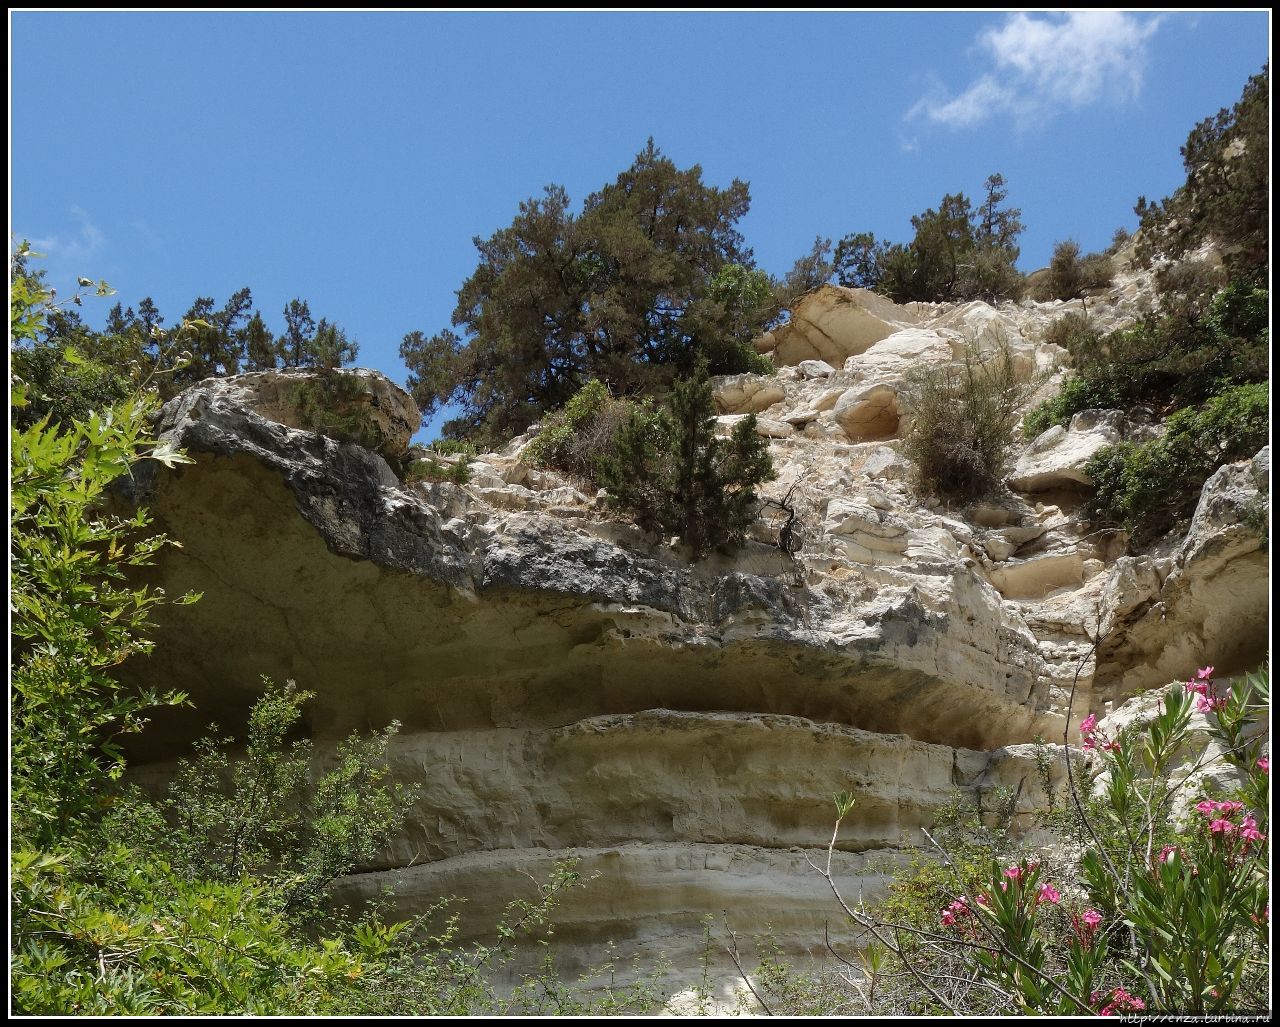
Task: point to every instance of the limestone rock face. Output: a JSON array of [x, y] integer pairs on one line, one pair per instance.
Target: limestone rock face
[[834, 323], [1057, 458], [369, 396], [569, 686]]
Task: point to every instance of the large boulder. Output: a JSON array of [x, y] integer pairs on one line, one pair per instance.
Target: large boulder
[[834, 323], [1058, 456], [348, 403]]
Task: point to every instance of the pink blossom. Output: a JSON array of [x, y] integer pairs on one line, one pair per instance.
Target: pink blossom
[[1089, 724], [1168, 852], [1224, 827], [1091, 917], [948, 918], [1207, 807], [1209, 705], [1229, 807], [1264, 765], [1049, 893], [1204, 673], [1123, 1002], [1199, 687], [1014, 873], [1249, 830], [1110, 746]]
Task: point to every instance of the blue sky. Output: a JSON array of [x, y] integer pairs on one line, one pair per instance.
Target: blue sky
[[349, 159]]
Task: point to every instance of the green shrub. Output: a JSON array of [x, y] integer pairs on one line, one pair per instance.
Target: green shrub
[[578, 438], [431, 468], [333, 404], [962, 423], [1123, 910], [1070, 276], [1078, 393], [1146, 488], [671, 475], [65, 389], [550, 445]]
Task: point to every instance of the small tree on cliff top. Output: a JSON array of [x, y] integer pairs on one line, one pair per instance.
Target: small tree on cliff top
[[672, 475]]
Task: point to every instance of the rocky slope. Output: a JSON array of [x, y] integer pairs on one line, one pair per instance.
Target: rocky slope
[[568, 687]]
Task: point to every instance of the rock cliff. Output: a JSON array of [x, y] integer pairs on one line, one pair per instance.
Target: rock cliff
[[569, 687]]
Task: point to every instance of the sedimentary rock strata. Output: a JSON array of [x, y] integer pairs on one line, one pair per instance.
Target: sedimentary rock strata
[[570, 687]]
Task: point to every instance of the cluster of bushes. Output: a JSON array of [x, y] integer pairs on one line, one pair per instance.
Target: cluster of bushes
[[135, 344], [1070, 276], [1146, 488], [958, 252], [662, 466], [424, 463]]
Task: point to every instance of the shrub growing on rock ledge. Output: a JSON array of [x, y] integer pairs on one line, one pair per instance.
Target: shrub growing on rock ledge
[[672, 475], [963, 417], [1146, 488]]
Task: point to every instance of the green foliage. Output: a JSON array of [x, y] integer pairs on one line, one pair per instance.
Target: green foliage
[[75, 615], [578, 438], [425, 465], [1078, 393], [1070, 276], [621, 293], [216, 340], [62, 390], [958, 252], [1226, 195], [1125, 909], [1147, 487], [142, 939], [265, 815], [335, 404], [859, 261], [671, 475], [962, 422]]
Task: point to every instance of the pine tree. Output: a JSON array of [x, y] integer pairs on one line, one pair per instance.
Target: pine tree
[[672, 474]]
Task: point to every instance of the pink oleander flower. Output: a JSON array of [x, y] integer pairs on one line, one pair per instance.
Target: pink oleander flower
[[1223, 827], [1199, 687], [1212, 704], [1048, 893], [1168, 852], [1264, 765], [1089, 725], [1207, 807], [1122, 1001], [1014, 873], [948, 918], [1204, 673], [1092, 918], [1229, 808], [1110, 746], [1249, 830]]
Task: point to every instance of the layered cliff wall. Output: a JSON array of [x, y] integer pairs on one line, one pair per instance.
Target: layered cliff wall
[[569, 687]]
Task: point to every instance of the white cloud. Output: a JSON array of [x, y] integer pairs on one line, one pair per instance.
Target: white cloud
[[1043, 65], [88, 241]]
